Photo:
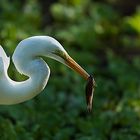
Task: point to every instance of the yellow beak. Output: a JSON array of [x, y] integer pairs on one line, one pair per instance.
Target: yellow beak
[[76, 67]]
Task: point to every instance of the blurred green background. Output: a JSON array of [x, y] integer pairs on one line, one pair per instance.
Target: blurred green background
[[103, 36]]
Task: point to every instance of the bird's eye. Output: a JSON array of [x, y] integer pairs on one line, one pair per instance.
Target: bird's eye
[[60, 54]]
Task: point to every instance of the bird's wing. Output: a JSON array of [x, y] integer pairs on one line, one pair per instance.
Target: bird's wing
[[4, 58]]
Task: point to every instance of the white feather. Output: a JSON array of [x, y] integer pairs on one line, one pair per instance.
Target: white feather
[[5, 61]]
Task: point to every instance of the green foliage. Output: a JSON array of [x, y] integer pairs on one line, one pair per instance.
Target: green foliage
[[134, 21], [105, 44]]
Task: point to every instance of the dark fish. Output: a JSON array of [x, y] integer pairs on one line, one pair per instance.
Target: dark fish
[[89, 92]]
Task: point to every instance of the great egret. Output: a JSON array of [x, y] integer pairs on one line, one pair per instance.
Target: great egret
[[27, 61]]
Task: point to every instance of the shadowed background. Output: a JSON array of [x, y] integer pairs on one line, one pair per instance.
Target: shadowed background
[[103, 36]]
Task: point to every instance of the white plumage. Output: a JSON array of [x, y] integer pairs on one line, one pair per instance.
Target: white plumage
[[27, 60]]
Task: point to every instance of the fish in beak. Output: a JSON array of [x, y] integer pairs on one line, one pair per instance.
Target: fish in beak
[[90, 80]]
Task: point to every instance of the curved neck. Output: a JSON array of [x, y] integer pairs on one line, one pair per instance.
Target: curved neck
[[27, 61], [13, 92]]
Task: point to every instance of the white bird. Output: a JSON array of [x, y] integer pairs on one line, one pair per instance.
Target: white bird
[[27, 60]]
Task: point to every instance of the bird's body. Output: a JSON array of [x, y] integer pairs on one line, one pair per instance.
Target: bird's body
[[27, 60]]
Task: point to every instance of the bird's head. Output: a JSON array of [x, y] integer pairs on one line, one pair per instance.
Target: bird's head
[[50, 47]]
